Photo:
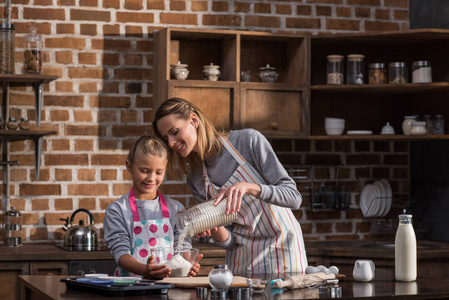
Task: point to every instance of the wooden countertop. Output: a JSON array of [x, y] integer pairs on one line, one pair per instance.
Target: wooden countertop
[[344, 248], [50, 287]]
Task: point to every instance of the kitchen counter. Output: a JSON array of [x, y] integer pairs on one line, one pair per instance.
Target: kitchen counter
[[50, 287]]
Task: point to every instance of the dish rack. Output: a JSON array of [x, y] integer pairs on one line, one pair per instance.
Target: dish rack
[[323, 197], [388, 223]]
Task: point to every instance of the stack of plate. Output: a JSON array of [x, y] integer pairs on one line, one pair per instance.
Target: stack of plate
[[375, 199]]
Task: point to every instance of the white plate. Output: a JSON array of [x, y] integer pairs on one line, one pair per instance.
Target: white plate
[[383, 198], [374, 203], [357, 132], [366, 196], [389, 196]]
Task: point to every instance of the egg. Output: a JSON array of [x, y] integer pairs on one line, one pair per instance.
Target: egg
[[321, 268], [311, 270], [333, 269]]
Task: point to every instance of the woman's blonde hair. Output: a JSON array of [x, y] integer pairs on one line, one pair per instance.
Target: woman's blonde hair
[[148, 145], [208, 137]]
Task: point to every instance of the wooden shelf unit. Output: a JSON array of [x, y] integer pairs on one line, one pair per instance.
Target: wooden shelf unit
[[368, 106], [230, 103]]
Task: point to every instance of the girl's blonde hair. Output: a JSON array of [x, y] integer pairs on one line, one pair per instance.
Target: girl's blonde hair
[[148, 145], [208, 137]]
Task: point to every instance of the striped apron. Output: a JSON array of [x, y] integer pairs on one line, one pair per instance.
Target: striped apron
[[268, 237]]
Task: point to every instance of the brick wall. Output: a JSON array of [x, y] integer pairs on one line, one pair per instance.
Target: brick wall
[[102, 53]]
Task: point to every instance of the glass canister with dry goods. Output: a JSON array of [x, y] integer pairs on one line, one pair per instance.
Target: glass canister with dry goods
[[32, 56], [397, 72], [335, 69], [377, 73], [7, 48], [355, 69]]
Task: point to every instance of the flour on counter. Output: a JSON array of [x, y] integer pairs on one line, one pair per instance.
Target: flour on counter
[[178, 266]]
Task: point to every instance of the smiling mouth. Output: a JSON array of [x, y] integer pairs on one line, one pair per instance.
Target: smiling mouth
[[179, 147]]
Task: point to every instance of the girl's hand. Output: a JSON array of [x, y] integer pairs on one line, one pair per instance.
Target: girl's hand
[[154, 271], [234, 195], [196, 267]]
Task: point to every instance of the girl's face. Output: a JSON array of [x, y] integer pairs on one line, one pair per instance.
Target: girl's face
[[147, 173], [179, 134]]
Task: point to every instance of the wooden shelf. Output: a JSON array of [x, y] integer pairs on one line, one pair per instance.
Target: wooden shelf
[[390, 89], [394, 137], [27, 78], [15, 135]]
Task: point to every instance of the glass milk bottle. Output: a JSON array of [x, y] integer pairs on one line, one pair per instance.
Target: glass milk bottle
[[405, 250], [32, 56]]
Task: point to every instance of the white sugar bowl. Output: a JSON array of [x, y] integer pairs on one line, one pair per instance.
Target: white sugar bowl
[[387, 129]]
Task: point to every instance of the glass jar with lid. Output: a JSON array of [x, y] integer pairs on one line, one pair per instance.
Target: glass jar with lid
[[335, 69], [12, 124], [355, 69], [24, 124], [421, 71], [397, 72], [13, 227], [438, 125], [7, 48], [377, 73], [32, 56], [220, 278]]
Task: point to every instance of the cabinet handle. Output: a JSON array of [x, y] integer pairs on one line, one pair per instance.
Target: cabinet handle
[[274, 125]]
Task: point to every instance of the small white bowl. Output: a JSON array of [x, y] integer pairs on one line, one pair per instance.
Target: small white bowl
[[334, 130]]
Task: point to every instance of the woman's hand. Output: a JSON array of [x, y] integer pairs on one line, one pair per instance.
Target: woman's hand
[[196, 267], [235, 193], [154, 271], [207, 232]]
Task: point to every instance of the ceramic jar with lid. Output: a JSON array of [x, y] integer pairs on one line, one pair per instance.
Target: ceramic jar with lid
[[179, 71], [407, 124], [211, 72], [418, 128], [220, 278], [268, 74]]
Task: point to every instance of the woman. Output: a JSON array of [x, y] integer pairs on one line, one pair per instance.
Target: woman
[[241, 166]]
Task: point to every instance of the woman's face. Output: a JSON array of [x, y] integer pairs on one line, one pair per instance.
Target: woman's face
[[180, 134]]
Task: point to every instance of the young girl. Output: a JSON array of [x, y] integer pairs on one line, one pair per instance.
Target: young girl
[[242, 166], [143, 218]]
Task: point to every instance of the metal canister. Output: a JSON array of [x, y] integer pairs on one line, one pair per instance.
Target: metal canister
[[7, 48]]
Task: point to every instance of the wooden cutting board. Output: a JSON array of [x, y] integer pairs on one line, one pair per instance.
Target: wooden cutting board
[[200, 281]]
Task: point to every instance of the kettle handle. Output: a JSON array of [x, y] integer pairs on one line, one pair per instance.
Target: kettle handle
[[86, 211]]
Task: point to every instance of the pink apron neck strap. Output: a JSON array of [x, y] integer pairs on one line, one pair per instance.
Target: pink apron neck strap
[[132, 203]]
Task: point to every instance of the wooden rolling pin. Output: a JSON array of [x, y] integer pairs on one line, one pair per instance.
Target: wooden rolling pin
[[302, 281]]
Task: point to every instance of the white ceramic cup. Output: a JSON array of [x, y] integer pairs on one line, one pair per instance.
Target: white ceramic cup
[[363, 270]]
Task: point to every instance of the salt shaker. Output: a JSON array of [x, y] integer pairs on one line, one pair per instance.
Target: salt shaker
[[24, 124], [12, 124], [220, 278]]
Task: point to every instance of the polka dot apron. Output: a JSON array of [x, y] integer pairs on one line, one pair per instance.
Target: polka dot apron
[[148, 234], [268, 237]]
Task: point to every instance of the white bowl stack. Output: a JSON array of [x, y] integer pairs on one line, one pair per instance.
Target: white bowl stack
[[334, 126]]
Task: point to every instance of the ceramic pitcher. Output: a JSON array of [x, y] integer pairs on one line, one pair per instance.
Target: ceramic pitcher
[[363, 270]]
